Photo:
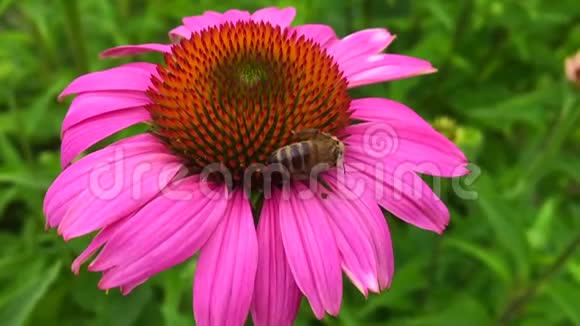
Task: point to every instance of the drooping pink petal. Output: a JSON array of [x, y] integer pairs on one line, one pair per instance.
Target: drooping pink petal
[[347, 218], [322, 34], [75, 179], [115, 190], [86, 133], [89, 105], [410, 145], [135, 49], [127, 78], [275, 16], [396, 187], [361, 43], [386, 67], [178, 33], [276, 296], [311, 250], [226, 269], [371, 219], [164, 233]]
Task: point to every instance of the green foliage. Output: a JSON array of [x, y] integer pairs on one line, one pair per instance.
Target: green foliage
[[508, 255]]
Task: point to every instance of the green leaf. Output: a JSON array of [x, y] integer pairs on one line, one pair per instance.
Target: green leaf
[[25, 178], [539, 233], [569, 165], [173, 283], [116, 309], [39, 113], [8, 152], [491, 260], [529, 108], [504, 225], [17, 304], [6, 198], [574, 270], [408, 279], [4, 4], [462, 310], [440, 14], [567, 297]]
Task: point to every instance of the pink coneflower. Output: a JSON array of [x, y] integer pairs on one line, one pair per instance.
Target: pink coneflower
[[232, 90]]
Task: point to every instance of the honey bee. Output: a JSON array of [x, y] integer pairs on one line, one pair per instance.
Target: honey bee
[[314, 151]]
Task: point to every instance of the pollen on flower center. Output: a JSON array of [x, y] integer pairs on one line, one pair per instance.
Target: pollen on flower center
[[234, 93]]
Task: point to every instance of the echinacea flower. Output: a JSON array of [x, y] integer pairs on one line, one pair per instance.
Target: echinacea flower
[[233, 88]]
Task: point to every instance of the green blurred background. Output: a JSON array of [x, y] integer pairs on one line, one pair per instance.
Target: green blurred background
[[510, 253]]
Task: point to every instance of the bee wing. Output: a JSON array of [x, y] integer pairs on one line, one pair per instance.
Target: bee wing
[[340, 168], [340, 160]]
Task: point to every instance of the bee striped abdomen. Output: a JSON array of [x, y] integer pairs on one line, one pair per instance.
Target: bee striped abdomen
[[295, 157], [308, 158]]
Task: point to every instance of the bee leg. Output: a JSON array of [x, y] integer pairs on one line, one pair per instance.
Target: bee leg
[[324, 184]]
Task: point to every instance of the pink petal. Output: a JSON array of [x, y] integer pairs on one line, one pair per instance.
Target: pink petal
[[198, 23], [98, 241], [150, 68], [389, 114], [371, 219], [348, 220], [164, 233], [115, 190], [89, 105], [178, 33], [181, 207], [276, 296], [361, 43], [226, 269], [135, 49], [413, 146], [386, 67], [399, 190], [377, 109], [275, 16], [393, 63], [322, 34], [88, 132], [74, 180], [359, 57], [311, 250], [235, 15], [128, 78]]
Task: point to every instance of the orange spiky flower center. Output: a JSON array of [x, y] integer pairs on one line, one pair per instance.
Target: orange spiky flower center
[[234, 93]]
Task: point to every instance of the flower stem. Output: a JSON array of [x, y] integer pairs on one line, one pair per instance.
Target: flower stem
[[519, 302]]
